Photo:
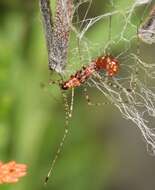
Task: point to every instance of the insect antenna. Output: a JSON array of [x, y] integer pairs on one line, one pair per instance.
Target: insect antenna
[[68, 115], [71, 104]]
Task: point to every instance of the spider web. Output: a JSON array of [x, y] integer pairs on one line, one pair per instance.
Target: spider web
[[132, 91]]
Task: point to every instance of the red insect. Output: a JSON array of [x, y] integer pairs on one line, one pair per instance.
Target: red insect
[[107, 63]]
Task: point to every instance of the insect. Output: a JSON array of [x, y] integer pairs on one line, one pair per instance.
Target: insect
[[146, 31], [107, 63]]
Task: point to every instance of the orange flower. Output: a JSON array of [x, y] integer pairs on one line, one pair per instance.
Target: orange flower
[[11, 172]]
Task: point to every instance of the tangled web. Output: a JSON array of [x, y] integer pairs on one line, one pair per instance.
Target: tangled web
[[132, 90]]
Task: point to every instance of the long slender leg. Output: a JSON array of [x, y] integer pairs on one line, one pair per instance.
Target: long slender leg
[[92, 103], [113, 85]]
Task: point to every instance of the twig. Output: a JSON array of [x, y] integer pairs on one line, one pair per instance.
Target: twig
[[57, 32], [47, 23]]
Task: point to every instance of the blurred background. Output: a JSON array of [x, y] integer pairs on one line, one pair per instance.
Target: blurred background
[[103, 151]]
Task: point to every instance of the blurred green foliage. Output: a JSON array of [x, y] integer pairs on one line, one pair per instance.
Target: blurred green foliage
[[32, 117]]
